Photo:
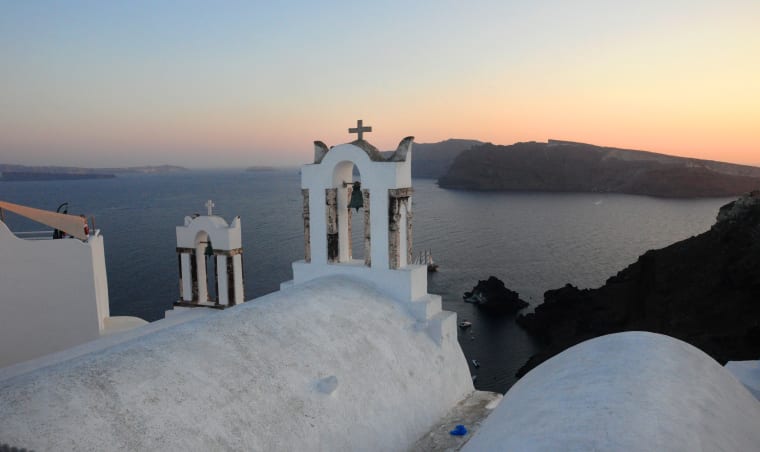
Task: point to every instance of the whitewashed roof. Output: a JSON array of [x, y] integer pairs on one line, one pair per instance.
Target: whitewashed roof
[[632, 391], [748, 372], [328, 365]]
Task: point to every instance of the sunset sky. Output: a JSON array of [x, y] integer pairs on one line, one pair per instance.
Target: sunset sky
[[226, 83]]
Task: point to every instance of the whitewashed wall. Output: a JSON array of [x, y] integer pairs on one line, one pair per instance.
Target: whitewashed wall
[[53, 295]]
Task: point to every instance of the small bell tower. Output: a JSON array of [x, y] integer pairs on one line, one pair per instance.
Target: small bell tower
[[210, 255]]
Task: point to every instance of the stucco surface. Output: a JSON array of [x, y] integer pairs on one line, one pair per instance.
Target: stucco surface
[[748, 372], [53, 294], [331, 364], [631, 391]]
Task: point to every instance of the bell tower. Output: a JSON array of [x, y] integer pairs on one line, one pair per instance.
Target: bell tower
[[329, 193], [210, 255]]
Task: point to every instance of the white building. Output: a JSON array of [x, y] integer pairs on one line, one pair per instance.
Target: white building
[[53, 293]]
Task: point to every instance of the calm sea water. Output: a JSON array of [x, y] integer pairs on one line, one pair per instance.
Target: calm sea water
[[531, 241]]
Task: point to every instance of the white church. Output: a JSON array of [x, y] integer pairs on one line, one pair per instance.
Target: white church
[[349, 355]]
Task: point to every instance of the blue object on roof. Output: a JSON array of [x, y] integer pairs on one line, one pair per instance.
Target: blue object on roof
[[459, 430]]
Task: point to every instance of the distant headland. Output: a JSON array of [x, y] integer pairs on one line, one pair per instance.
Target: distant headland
[[11, 173], [14, 176], [565, 166]]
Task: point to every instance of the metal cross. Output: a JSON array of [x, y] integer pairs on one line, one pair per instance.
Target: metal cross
[[209, 205], [360, 129]]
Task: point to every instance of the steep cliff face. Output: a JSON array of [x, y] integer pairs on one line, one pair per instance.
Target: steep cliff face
[[432, 160], [704, 290], [577, 167]]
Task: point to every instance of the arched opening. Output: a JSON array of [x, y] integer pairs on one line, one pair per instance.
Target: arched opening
[[205, 284], [348, 232], [212, 282], [356, 218]]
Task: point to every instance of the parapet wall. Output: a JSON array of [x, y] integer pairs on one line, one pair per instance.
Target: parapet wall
[[53, 295]]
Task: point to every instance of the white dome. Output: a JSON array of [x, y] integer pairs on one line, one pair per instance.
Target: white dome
[[631, 391]]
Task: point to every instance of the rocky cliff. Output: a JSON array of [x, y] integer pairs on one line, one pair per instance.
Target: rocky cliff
[[432, 160], [576, 167], [704, 290], [491, 296]]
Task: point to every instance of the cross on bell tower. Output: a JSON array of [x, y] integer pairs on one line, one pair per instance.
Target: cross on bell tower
[[210, 206], [360, 129]]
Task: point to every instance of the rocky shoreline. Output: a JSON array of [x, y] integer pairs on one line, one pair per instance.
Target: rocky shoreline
[[704, 290]]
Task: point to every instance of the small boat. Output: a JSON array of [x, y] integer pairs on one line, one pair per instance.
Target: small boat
[[464, 324], [475, 363], [431, 266], [426, 258]]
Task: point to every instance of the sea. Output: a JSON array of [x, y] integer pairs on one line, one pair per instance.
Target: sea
[[532, 241]]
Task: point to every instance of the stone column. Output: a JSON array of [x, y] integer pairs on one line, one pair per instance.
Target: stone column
[[396, 198], [239, 275], [349, 221], [200, 289], [179, 271], [333, 241], [409, 247], [394, 216], [367, 230], [194, 276], [216, 281], [306, 225], [184, 256], [222, 278], [231, 281]]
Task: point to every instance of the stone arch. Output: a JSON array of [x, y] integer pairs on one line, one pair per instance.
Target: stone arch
[[341, 159]]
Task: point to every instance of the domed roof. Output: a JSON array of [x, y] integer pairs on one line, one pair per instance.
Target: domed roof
[[330, 364], [628, 391]]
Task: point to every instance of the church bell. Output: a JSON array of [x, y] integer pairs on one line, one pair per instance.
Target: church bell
[[357, 200]]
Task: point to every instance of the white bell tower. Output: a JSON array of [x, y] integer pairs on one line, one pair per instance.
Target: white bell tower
[[386, 195], [208, 241]]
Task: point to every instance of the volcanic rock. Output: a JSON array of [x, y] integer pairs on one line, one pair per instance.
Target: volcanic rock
[[704, 290], [492, 296]]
